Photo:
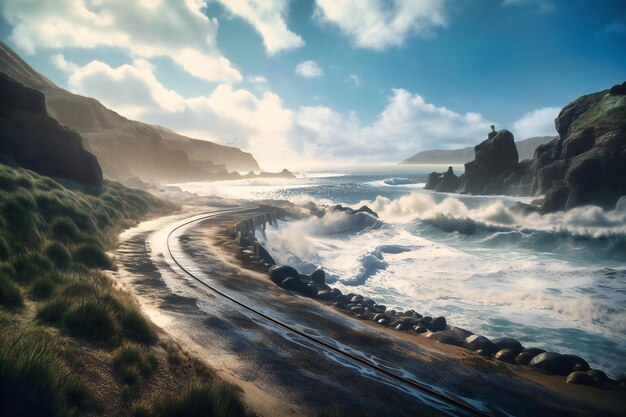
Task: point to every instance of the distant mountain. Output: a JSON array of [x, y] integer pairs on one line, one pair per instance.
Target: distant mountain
[[127, 148], [525, 149]]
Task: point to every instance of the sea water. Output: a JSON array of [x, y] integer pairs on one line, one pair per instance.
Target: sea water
[[555, 281]]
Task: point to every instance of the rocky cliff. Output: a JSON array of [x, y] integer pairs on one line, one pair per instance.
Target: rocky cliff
[[585, 165], [127, 148], [525, 149], [30, 138]]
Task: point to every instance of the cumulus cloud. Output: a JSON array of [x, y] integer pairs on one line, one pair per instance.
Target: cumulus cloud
[[379, 24], [178, 30], [268, 18], [129, 89], [261, 124], [309, 69], [538, 122], [59, 61], [279, 136], [407, 124]]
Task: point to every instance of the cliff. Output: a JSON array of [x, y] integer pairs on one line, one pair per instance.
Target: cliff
[[585, 165], [127, 148], [30, 138], [525, 149]]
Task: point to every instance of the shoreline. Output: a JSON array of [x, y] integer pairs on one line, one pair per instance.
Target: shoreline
[[299, 381], [575, 369]]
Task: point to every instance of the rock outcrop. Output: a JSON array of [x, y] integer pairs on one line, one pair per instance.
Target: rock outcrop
[[30, 138], [495, 160], [446, 182], [585, 165]]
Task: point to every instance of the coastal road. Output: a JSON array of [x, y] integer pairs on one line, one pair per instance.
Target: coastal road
[[294, 356]]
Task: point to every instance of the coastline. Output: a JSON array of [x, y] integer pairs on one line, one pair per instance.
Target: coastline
[[504, 350], [279, 377]]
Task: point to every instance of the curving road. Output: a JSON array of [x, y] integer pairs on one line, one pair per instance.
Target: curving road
[[294, 356]]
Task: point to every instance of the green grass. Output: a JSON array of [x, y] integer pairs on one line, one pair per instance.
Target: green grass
[[58, 255], [131, 360], [53, 237], [213, 398], [10, 293], [34, 380], [92, 255], [136, 327], [44, 285]]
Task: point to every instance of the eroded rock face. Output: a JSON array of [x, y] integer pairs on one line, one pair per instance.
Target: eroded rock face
[[30, 138], [446, 182], [496, 159], [587, 164]]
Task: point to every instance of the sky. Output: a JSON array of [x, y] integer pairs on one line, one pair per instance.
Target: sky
[[322, 83]]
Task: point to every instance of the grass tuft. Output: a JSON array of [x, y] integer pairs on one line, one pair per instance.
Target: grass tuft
[[64, 230], [10, 293], [34, 381], [92, 255], [44, 285], [200, 399], [59, 256], [131, 360], [91, 320], [136, 327]]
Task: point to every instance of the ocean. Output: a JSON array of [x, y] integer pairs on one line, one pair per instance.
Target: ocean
[[555, 281]]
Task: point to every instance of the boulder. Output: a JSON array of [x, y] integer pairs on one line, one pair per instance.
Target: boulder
[[278, 273], [326, 295], [477, 342], [576, 362], [437, 324], [505, 355], [508, 343], [318, 276], [445, 338], [580, 378], [311, 291], [418, 328], [294, 284], [554, 363]]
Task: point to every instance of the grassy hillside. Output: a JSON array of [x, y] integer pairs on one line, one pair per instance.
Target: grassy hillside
[[71, 342]]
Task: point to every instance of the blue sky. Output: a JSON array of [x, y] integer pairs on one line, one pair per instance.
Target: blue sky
[[327, 82]]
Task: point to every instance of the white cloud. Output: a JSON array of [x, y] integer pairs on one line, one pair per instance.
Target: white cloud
[[268, 18], [128, 89], [309, 69], [59, 61], [355, 80], [379, 24], [175, 29], [260, 123], [408, 124], [543, 6], [538, 122], [278, 136], [257, 79]]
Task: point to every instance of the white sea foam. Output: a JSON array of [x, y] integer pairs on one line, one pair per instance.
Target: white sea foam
[[452, 214], [529, 290]]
